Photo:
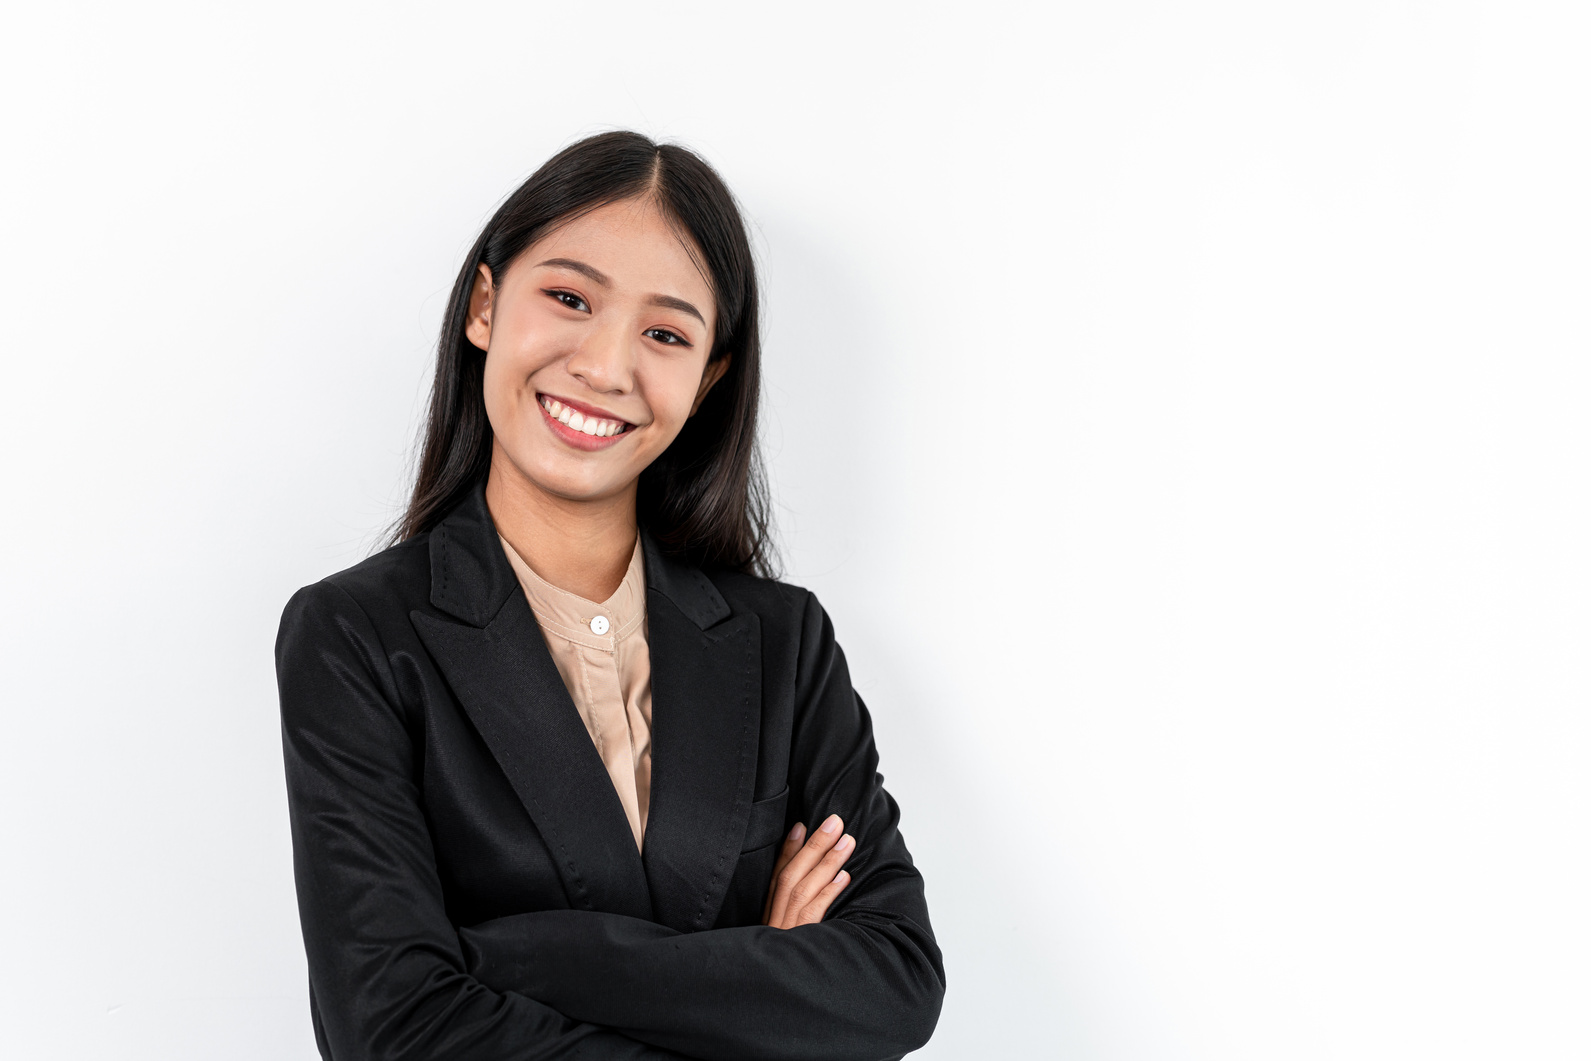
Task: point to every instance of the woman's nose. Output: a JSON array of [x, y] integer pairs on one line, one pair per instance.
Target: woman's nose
[[605, 361]]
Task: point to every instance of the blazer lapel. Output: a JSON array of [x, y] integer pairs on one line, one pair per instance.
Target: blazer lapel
[[498, 665], [706, 711]]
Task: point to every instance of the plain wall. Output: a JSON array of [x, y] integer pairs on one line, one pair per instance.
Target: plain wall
[[1181, 409]]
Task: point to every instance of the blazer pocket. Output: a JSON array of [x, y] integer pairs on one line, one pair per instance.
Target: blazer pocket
[[766, 824]]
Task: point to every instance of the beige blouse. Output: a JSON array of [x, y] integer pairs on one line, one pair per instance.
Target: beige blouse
[[601, 652]]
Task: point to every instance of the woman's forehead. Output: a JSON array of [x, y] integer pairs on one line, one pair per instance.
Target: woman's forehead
[[628, 242]]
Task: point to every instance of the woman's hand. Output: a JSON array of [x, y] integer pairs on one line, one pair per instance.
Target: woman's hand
[[806, 879]]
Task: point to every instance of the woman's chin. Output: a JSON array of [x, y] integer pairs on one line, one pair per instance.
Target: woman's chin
[[578, 484]]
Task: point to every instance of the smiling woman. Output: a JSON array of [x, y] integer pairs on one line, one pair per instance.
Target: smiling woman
[[569, 774], [598, 348]]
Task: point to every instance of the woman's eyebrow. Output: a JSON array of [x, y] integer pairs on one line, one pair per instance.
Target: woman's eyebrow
[[596, 276], [670, 302]]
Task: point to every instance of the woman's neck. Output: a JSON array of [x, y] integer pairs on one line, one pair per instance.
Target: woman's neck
[[582, 547]]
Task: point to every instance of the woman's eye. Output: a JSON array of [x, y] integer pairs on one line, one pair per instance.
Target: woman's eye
[[663, 335], [572, 300]]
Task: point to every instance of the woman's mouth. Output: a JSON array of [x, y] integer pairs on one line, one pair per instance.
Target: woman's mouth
[[583, 427]]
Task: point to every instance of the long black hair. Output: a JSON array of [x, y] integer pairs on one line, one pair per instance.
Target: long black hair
[[705, 498]]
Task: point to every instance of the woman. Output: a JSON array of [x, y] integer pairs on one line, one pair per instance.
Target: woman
[[567, 778]]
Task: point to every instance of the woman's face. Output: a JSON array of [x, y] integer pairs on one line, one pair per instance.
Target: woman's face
[[596, 341]]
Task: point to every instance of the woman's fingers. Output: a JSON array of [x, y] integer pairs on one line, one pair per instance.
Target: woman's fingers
[[811, 896], [798, 866], [790, 884], [819, 878], [792, 844], [813, 912], [810, 874]]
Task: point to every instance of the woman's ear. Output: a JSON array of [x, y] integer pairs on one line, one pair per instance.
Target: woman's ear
[[711, 374], [479, 328]]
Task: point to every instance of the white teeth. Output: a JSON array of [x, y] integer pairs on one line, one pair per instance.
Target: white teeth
[[588, 425]]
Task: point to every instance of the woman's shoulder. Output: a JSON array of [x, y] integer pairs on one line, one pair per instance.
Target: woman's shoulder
[[756, 592], [778, 604]]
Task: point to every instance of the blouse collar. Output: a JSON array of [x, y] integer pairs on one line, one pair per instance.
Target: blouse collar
[[576, 619]]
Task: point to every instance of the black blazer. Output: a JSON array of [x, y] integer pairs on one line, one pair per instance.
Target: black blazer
[[467, 880]]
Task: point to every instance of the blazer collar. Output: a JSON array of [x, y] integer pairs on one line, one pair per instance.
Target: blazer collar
[[471, 578], [706, 712], [686, 587]]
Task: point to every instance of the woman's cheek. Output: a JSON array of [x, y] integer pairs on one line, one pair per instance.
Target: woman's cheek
[[511, 407], [682, 395]]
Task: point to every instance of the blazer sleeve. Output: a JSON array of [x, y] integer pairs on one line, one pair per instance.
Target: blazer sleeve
[[386, 971], [865, 984]]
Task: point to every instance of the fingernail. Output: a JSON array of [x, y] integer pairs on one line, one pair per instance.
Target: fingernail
[[832, 824], [842, 878], [846, 843], [796, 830]]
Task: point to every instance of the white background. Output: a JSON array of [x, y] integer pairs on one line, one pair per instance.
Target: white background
[[1181, 409]]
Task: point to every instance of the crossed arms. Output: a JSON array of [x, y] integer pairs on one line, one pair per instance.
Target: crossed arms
[[393, 978]]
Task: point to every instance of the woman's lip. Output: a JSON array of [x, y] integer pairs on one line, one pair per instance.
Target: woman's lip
[[580, 407], [579, 439]]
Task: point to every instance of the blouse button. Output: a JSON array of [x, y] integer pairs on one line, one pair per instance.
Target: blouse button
[[599, 625]]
